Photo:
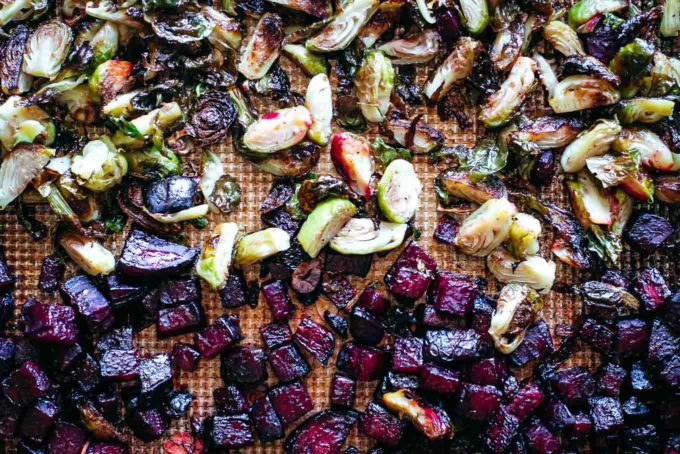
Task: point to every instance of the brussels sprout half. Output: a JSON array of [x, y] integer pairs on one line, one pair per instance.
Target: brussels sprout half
[[523, 237], [277, 130], [535, 272], [454, 69], [89, 254], [593, 142], [24, 124], [226, 34], [19, 167], [259, 245], [474, 15], [374, 81], [142, 127], [630, 64], [344, 27], [263, 47], [294, 162], [499, 107], [581, 92], [153, 163], [590, 203], [323, 223], [645, 110], [99, 166], [361, 236], [584, 10], [47, 49], [213, 264], [311, 63], [563, 38], [548, 132], [670, 21], [611, 169], [121, 105], [653, 151], [416, 49], [425, 138], [315, 8], [456, 183], [14, 81], [109, 78], [319, 103], [399, 191], [12, 9], [486, 228], [516, 309]]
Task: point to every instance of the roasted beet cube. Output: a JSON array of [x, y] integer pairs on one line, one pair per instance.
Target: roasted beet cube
[[170, 195], [479, 402], [180, 319], [339, 291], [401, 381], [51, 272], [525, 401], [50, 323], [315, 339], [7, 279], [6, 307], [343, 391], [38, 420], [651, 287], [276, 295], [155, 375], [557, 414], [490, 371], [66, 439], [483, 308], [372, 300], [147, 256], [180, 291], [670, 374], [439, 379], [281, 266], [597, 335], [325, 431], [607, 414], [119, 364], [615, 278], [275, 334], [446, 346], [281, 191], [225, 331], [25, 384], [610, 378], [235, 291], [540, 440], [662, 344], [150, 302], [378, 423], [147, 423], [646, 232], [642, 439], [362, 362], [90, 304], [7, 353], [407, 355], [121, 292], [640, 378], [291, 401], [100, 447], [411, 274], [337, 322], [287, 363], [581, 427], [230, 400], [184, 357], [575, 384], [266, 420], [672, 314], [283, 220], [446, 230], [631, 337], [432, 318], [87, 373], [537, 344], [365, 327], [176, 404], [501, 432], [116, 339], [243, 364], [452, 293], [351, 265], [635, 409]]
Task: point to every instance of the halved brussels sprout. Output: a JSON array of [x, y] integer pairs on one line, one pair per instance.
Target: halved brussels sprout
[[653, 151], [456, 183], [211, 172], [259, 245], [344, 27], [645, 110], [416, 49], [13, 9], [263, 47], [593, 142], [546, 73], [100, 166], [245, 113], [121, 105], [663, 77], [47, 49], [611, 169], [352, 158], [454, 69], [584, 10], [425, 138], [80, 104], [534, 271], [605, 241], [508, 43], [311, 63], [319, 103], [486, 228], [153, 163], [589, 202], [374, 81], [315, 8], [51, 89], [104, 43], [361, 236], [630, 64], [499, 107], [188, 214], [399, 191], [523, 237], [24, 124], [19, 167], [226, 34], [277, 130], [582, 92], [323, 223], [585, 65], [667, 189], [517, 307], [14, 81], [670, 21], [213, 264], [382, 20], [88, 253], [144, 126], [109, 78], [294, 162], [563, 38], [474, 15], [106, 10], [548, 132], [183, 27], [425, 12]]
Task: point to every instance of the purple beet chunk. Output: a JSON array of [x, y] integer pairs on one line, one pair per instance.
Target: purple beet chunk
[[275, 334], [615, 278], [281, 191], [490, 371], [350, 265], [540, 440], [482, 312], [224, 332], [116, 339], [663, 345], [182, 319], [291, 401], [640, 378], [283, 220], [287, 363], [243, 364], [170, 195], [229, 432], [597, 335], [537, 344], [372, 300], [6, 307], [362, 362], [25, 384], [582, 427], [610, 377], [324, 432], [452, 293], [119, 364], [631, 337], [575, 384], [337, 322], [7, 279], [340, 291], [607, 414], [446, 346], [502, 430], [411, 274], [647, 232], [51, 272], [315, 339], [184, 357], [230, 400], [266, 420], [87, 374], [439, 379], [670, 374], [121, 293], [147, 423], [343, 391], [180, 291], [435, 319], [235, 291], [672, 313], [50, 323], [90, 304], [176, 403], [634, 409], [446, 230], [407, 355], [642, 439], [7, 353], [66, 439], [147, 256], [557, 414], [101, 447], [276, 295], [650, 286], [378, 423], [365, 327], [479, 402], [525, 401], [38, 420], [155, 375]]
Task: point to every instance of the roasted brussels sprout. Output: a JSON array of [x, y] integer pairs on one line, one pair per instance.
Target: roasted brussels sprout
[[416, 49], [19, 168], [263, 47], [593, 142], [670, 21], [383, 19], [534, 271], [454, 69], [362, 236], [486, 228], [213, 115], [546, 73], [319, 103], [79, 103], [384, 153], [578, 64], [311, 63], [13, 10], [226, 34], [645, 110], [188, 214], [517, 307], [431, 421], [109, 78], [605, 241], [344, 27], [121, 106], [508, 43], [351, 156], [99, 166], [24, 124], [653, 151], [87, 253], [630, 64], [547, 132], [582, 92], [419, 137], [104, 43], [324, 223], [14, 81], [563, 38], [294, 162], [611, 169], [136, 131], [667, 189], [457, 184], [374, 81], [584, 10], [663, 77], [474, 15], [399, 191], [315, 8], [591, 205], [277, 130], [47, 49], [523, 237], [259, 245], [215, 259], [183, 27], [105, 10], [498, 107], [152, 162]]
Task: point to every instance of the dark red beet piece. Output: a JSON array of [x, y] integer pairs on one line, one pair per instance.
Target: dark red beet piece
[[121, 293], [116, 339], [350, 265], [7, 352], [446, 230], [266, 420], [276, 295], [147, 256], [337, 322], [525, 401], [230, 400], [51, 272], [557, 414], [38, 420], [537, 344], [439, 379], [282, 265], [432, 318], [343, 391], [7, 279], [147, 423], [87, 373], [452, 293], [647, 232], [315, 339], [225, 331], [378, 423], [650, 286], [50, 323], [280, 192], [25, 384], [275, 334], [180, 291], [597, 335], [243, 364], [373, 301], [642, 439], [395, 380], [361, 362], [340, 291], [615, 278], [66, 439], [640, 378], [672, 314], [287, 363], [182, 319], [540, 440], [411, 274], [407, 355], [119, 364], [445, 346], [101, 447], [365, 327], [635, 409], [235, 291], [479, 402], [663, 345], [90, 304], [502, 430], [581, 427], [291, 401], [490, 371], [325, 432], [607, 414], [170, 195], [610, 378], [176, 404], [631, 337], [670, 374], [184, 356], [482, 312], [155, 375], [575, 384], [229, 432], [6, 307]]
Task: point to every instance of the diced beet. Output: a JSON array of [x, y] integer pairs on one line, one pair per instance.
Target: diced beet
[[634, 409], [180, 291], [597, 335], [337, 322], [663, 344], [446, 230], [119, 364], [235, 291], [116, 339], [373, 301], [640, 378], [38, 420], [225, 331], [378, 423], [340, 291], [147, 256], [651, 287], [7, 353], [402, 381], [581, 427], [90, 304], [87, 373], [8, 420], [350, 265], [540, 440], [25, 384], [50, 323], [575, 384], [108, 403], [170, 195], [150, 302], [281, 191], [243, 364], [646, 232], [610, 378], [446, 346], [230, 400], [479, 402], [606, 414], [121, 292], [631, 337], [155, 375], [642, 439], [51, 272], [186, 318], [537, 344], [672, 314], [282, 265], [439, 379], [557, 414], [670, 374], [502, 430], [343, 391], [287, 363], [100, 447], [482, 312], [266, 420], [66, 439], [432, 318], [147, 423], [365, 327], [362, 362], [291, 401], [490, 371], [525, 401], [411, 274], [6, 307], [276, 295], [407, 355], [615, 278], [177, 404], [283, 220], [275, 334], [452, 293], [325, 431], [7, 279], [184, 356], [315, 339]]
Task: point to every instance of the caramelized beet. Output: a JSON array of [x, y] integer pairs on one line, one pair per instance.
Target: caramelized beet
[[49, 323], [446, 230], [340, 291], [663, 345], [337, 322], [38, 420], [325, 431], [235, 291], [489, 371], [155, 375], [411, 274], [291, 401], [280, 192], [610, 378], [540, 440], [372, 300], [184, 357], [378, 423], [243, 364], [615, 278], [361, 362], [176, 404], [287, 363], [575, 384], [439, 379], [266, 420], [170, 195], [180, 291], [557, 414], [479, 402], [537, 344], [597, 335], [229, 432], [276, 295], [407, 355], [121, 293], [180, 319], [646, 232], [51, 272], [225, 331], [343, 391], [147, 423], [119, 364], [90, 304], [634, 409], [350, 265], [607, 414], [25, 384], [650, 286], [445, 346], [7, 351], [229, 400], [6, 307], [147, 256], [100, 447], [641, 378], [315, 339], [7, 279], [452, 293], [672, 314], [66, 439], [501, 431], [631, 337], [365, 327], [275, 334], [525, 401]]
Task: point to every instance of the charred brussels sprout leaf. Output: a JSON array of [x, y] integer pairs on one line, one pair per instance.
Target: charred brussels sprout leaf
[[399, 191], [226, 195], [214, 113], [314, 190], [24, 124], [19, 167], [414, 134], [215, 259], [344, 27], [47, 49], [486, 158], [87, 253], [453, 183], [109, 79], [516, 309], [384, 154], [630, 63], [499, 107], [455, 68], [263, 47], [259, 245], [578, 64], [226, 33], [362, 236], [563, 38], [533, 271], [645, 110], [474, 15], [14, 81], [316, 8], [323, 223], [547, 132], [153, 162], [182, 28], [486, 228], [431, 421], [593, 142], [374, 81]]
